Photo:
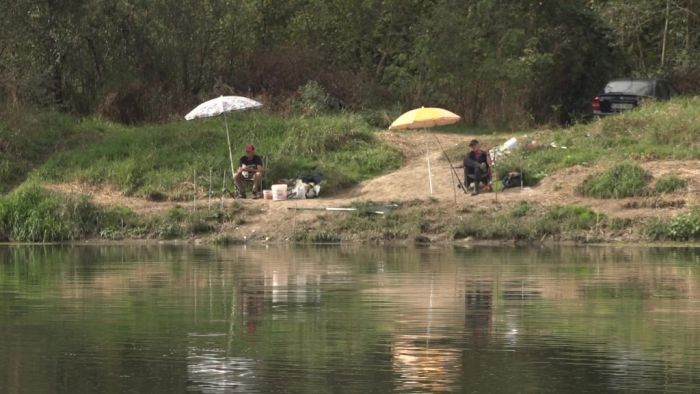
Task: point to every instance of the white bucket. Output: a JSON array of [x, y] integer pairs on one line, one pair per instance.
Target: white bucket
[[267, 194], [279, 192]]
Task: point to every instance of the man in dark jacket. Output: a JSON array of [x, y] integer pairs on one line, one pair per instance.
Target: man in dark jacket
[[477, 167], [250, 167]]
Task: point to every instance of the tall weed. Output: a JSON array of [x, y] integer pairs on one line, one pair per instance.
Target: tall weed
[[621, 180], [34, 214]]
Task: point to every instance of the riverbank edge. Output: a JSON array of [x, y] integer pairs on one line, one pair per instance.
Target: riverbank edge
[[395, 244], [413, 224]]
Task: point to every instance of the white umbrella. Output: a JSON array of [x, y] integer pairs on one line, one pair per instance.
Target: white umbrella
[[222, 105]]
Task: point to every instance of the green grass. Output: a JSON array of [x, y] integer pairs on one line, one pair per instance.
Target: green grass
[[531, 223], [628, 180], [669, 184], [161, 160], [410, 221], [419, 222], [658, 131], [34, 214], [619, 181], [28, 138], [684, 227]]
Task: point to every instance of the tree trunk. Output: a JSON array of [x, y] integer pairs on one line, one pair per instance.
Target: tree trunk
[[663, 43], [688, 28]]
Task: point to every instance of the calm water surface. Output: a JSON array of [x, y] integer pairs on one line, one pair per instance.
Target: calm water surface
[[172, 319]]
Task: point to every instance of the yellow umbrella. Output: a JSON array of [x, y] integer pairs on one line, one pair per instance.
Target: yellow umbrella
[[420, 118]]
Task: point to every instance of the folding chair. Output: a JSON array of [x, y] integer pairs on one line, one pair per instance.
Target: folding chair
[[250, 181]]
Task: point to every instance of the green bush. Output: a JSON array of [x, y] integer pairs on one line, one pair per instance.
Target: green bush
[[574, 217], [119, 222], [621, 180], [669, 184], [528, 222], [176, 214], [312, 99], [684, 227], [34, 214], [520, 209]]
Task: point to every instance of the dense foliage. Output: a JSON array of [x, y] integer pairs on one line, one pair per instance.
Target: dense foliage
[[493, 61]]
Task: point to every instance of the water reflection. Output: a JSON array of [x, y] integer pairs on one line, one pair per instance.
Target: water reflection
[[478, 316], [214, 372], [180, 318]]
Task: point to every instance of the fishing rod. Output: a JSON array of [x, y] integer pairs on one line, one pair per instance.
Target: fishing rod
[[378, 209], [461, 185]]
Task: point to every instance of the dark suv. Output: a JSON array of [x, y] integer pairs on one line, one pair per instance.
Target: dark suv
[[623, 94]]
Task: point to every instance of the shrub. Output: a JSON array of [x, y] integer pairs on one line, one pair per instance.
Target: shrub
[[656, 229], [528, 222], [619, 181], [119, 222], [312, 99], [34, 214], [573, 217], [685, 227], [669, 184], [176, 214], [520, 209]]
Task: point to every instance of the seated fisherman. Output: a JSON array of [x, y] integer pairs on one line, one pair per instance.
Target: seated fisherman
[[250, 168], [477, 167]]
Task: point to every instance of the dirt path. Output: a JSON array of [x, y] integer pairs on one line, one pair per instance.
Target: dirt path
[[410, 182]]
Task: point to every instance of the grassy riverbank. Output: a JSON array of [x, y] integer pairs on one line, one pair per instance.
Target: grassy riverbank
[[34, 214], [664, 131], [422, 222], [161, 160], [660, 131], [157, 162]]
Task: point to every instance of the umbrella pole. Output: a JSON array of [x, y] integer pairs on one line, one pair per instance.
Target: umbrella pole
[[230, 153], [209, 205], [223, 190]]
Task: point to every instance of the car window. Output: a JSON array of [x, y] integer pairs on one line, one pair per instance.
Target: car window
[[639, 88]]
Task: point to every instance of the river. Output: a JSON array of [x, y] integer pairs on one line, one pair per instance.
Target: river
[[172, 319]]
